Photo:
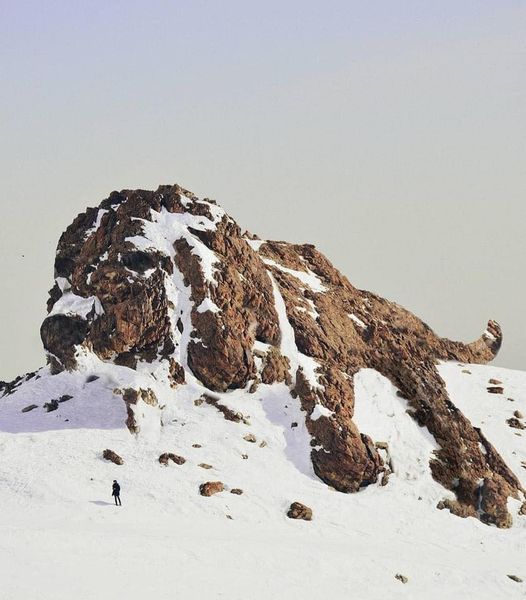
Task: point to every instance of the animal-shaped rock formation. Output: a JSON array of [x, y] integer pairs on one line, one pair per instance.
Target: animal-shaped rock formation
[[166, 278]]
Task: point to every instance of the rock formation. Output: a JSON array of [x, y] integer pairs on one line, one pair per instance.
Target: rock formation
[[166, 278]]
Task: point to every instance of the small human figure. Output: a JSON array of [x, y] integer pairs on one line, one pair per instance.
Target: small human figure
[[116, 493]]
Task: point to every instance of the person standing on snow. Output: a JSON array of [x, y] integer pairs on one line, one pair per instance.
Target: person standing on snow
[[116, 493]]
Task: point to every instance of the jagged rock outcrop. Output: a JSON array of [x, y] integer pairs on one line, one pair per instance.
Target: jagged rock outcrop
[[163, 277]]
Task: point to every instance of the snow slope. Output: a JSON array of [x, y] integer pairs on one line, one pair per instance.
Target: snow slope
[[61, 537]]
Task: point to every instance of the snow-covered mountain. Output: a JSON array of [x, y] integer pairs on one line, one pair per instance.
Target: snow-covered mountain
[[200, 354]]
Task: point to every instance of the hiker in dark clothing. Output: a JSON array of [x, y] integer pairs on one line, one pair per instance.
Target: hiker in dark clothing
[[116, 493]]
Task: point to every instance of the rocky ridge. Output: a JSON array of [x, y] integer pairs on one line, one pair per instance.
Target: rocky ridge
[[167, 284]]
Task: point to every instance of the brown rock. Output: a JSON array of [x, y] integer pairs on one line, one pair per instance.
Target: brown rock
[[236, 491], [494, 382], [250, 437], [51, 405], [210, 488], [298, 510], [205, 466], [517, 414], [495, 390], [229, 414], [112, 456], [169, 456], [515, 423]]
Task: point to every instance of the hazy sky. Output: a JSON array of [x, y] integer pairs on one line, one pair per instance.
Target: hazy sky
[[390, 134]]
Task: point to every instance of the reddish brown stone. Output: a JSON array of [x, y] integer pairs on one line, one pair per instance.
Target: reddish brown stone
[[211, 487]]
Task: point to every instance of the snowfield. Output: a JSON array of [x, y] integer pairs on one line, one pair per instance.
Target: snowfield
[[61, 537]]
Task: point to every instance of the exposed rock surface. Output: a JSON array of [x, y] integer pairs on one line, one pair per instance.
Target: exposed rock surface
[[298, 510], [112, 457], [163, 277], [166, 457], [211, 487]]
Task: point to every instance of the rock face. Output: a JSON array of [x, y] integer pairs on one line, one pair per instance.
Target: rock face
[[165, 277], [211, 487], [112, 457], [298, 510]]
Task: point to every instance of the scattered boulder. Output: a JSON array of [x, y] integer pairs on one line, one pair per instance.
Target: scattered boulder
[[92, 378], [205, 466], [211, 487], [517, 414], [196, 446], [169, 456], [244, 456], [65, 398], [236, 491], [112, 457], [250, 437], [515, 423], [263, 444], [494, 382], [51, 405], [401, 578], [467, 371], [29, 408], [298, 510], [515, 578], [495, 390]]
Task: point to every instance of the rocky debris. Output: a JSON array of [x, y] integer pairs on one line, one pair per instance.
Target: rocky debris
[[205, 466], [515, 423], [196, 446], [250, 437], [515, 578], [467, 371], [51, 405], [169, 456], [297, 510], [131, 397], [29, 408], [65, 398], [236, 491], [495, 390], [276, 367], [494, 382], [112, 457], [518, 415], [130, 318], [9, 387], [230, 415], [244, 456], [211, 487], [401, 578], [263, 444]]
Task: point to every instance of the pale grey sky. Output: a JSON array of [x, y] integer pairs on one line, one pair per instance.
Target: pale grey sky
[[390, 134]]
